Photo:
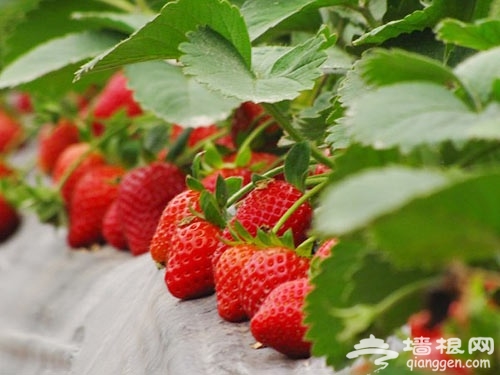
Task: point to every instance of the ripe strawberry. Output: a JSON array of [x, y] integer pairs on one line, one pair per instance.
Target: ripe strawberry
[[200, 134], [259, 162], [264, 271], [267, 203], [419, 326], [189, 266], [11, 133], [143, 195], [93, 195], [112, 228], [53, 140], [227, 276], [247, 117], [74, 157], [263, 207], [114, 96], [177, 211], [9, 217], [22, 102], [325, 249], [279, 322]]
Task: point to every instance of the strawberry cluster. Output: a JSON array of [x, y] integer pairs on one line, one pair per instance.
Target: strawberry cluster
[[212, 205]]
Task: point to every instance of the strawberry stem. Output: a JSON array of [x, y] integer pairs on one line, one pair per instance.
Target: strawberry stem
[[248, 187], [305, 197], [287, 126]]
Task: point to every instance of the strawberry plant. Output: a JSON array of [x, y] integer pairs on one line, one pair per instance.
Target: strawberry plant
[[382, 117]]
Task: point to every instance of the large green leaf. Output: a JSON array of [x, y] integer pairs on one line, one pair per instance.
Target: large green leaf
[[479, 73], [259, 21], [384, 67], [417, 20], [355, 202], [50, 19], [355, 294], [459, 222], [276, 74], [160, 38], [163, 89], [55, 55], [126, 23], [407, 115], [481, 35]]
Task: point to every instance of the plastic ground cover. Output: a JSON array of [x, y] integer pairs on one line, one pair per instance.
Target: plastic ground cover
[[105, 312]]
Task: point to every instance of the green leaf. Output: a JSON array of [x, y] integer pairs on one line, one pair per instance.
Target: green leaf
[[410, 114], [163, 89], [156, 138], [297, 164], [276, 12], [159, 39], [481, 35], [461, 221], [346, 303], [313, 121], [123, 22], [356, 201], [479, 72], [384, 67], [276, 75], [49, 20], [55, 55], [211, 210], [415, 21]]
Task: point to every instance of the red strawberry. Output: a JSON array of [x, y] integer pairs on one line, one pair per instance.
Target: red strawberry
[[79, 157], [189, 266], [92, 196], [112, 228], [114, 96], [199, 134], [279, 322], [143, 195], [419, 326], [227, 276], [325, 249], [259, 162], [9, 217], [267, 203], [264, 206], [11, 133], [264, 271], [22, 102], [53, 140], [178, 210], [247, 117]]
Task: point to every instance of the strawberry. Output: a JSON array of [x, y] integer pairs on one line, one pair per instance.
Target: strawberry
[[9, 219], [189, 271], [79, 157], [259, 162], [247, 117], [325, 249], [53, 140], [178, 210], [22, 102], [112, 229], [264, 206], [11, 133], [143, 195], [200, 134], [279, 322], [93, 195], [267, 203], [113, 97], [227, 275], [265, 270]]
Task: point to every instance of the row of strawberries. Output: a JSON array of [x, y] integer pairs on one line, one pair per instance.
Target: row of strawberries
[[158, 208]]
